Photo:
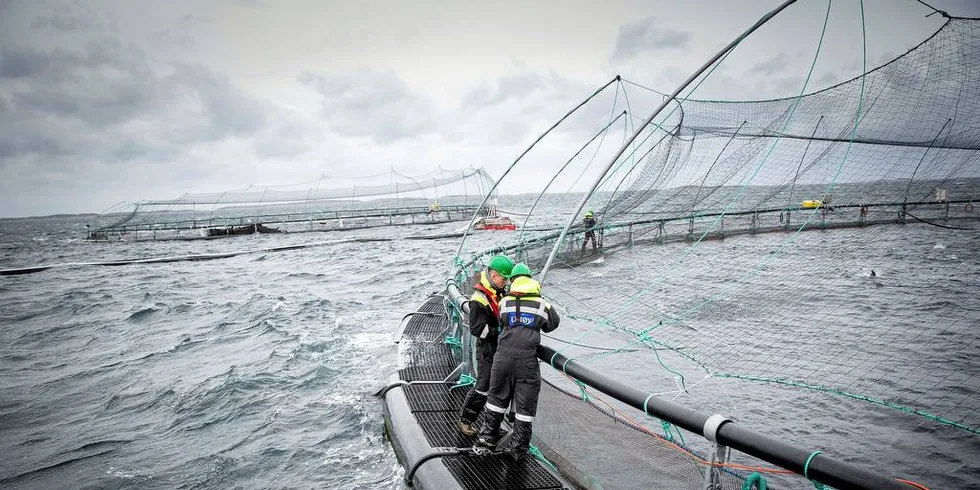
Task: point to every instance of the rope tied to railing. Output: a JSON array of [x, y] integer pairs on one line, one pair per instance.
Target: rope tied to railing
[[582, 391], [534, 451], [464, 380], [806, 468], [755, 480], [454, 342]]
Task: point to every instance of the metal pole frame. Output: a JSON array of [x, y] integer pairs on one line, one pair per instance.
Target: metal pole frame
[[585, 198]]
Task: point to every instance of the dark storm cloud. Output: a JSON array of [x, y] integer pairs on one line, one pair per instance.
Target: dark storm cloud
[[107, 101], [771, 66], [637, 38], [376, 105], [231, 112]]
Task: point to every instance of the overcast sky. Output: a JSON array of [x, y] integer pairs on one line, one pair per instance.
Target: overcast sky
[[105, 101]]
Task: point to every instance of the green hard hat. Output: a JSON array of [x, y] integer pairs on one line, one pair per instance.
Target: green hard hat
[[589, 213], [520, 269], [502, 264]]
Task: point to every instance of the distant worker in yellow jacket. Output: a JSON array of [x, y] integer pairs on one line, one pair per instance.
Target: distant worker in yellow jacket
[[589, 222]]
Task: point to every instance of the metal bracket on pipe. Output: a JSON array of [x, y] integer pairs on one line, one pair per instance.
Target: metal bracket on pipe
[[719, 453], [711, 426]]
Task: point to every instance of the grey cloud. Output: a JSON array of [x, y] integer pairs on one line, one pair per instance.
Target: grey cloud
[[509, 111], [273, 148], [105, 101], [250, 3], [771, 66], [230, 111], [376, 105], [171, 37], [22, 63], [14, 143], [62, 23], [637, 38], [190, 18], [788, 86], [104, 84], [130, 150], [507, 88], [289, 139], [828, 79]]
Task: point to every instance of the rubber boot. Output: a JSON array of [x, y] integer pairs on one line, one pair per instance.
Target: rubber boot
[[520, 442], [472, 406], [490, 432]]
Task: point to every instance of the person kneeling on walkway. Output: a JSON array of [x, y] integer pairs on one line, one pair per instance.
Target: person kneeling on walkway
[[484, 304], [524, 314]]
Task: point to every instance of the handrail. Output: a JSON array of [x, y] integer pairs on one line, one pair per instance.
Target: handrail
[[820, 468], [813, 465]]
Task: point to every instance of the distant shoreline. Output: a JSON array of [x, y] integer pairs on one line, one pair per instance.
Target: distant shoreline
[[58, 215]]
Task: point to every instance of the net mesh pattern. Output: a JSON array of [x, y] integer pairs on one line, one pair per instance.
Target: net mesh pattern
[[811, 256]]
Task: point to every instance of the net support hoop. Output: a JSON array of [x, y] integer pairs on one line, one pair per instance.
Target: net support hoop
[[585, 198]]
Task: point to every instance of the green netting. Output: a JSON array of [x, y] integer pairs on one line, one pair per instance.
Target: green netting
[[810, 258]]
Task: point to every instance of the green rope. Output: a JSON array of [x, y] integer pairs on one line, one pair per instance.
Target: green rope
[[646, 338], [581, 387], [754, 480], [454, 342], [455, 314], [464, 380], [746, 183], [667, 426], [806, 468], [534, 451], [865, 398], [669, 432]]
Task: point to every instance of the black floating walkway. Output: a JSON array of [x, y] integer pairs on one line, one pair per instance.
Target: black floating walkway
[[435, 408]]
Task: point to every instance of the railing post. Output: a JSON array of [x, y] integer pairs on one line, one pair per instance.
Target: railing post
[[712, 475]]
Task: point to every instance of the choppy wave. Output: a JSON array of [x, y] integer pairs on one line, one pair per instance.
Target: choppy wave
[[256, 370], [252, 371]]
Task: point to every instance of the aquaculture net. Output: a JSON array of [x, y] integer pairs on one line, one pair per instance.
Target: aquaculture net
[[323, 204], [807, 266]]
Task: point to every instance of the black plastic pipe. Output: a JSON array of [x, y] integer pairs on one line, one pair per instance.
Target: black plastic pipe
[[821, 468]]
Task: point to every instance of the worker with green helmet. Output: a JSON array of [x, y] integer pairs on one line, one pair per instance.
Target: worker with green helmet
[[483, 321], [589, 221], [520, 269], [516, 376]]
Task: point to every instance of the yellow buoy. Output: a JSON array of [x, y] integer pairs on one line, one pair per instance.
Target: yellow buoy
[[812, 203]]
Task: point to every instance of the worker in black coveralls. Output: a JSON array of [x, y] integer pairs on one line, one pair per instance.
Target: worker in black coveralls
[[524, 314], [484, 304]]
